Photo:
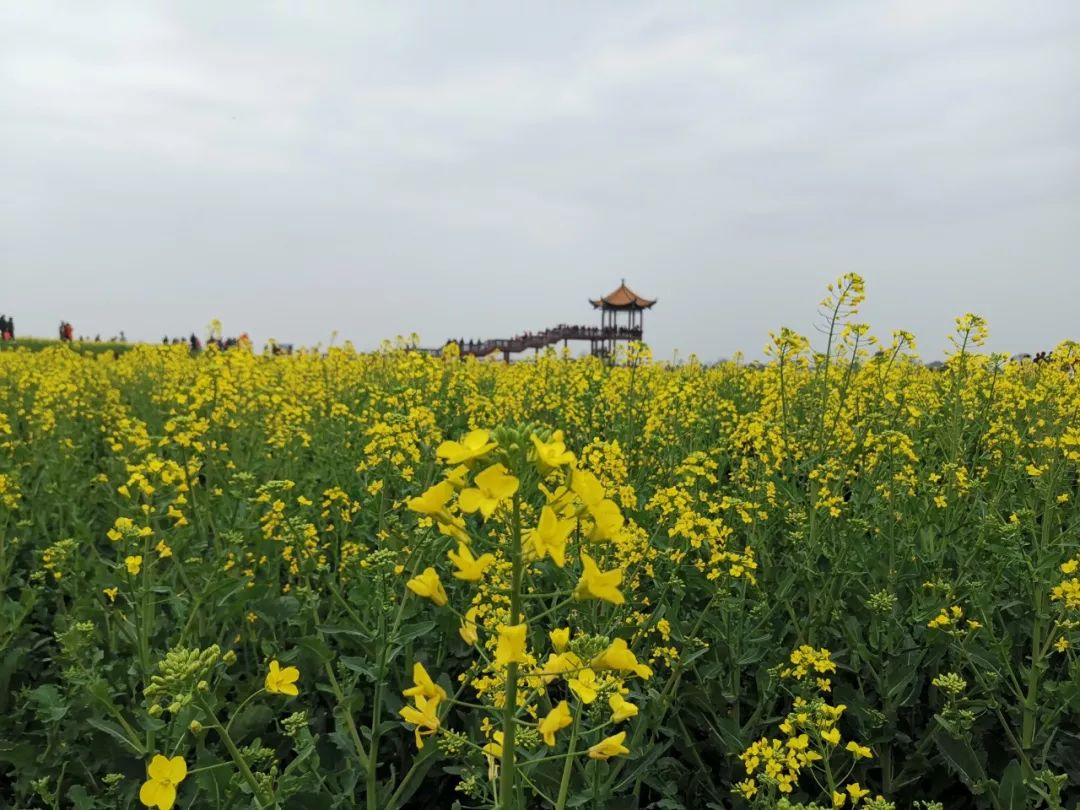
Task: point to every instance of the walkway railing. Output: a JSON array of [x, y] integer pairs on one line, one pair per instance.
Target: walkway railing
[[541, 340]]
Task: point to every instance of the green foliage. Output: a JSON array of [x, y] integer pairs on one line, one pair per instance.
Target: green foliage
[[921, 526]]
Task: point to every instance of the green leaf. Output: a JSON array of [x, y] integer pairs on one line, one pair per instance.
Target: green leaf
[[1011, 792], [20, 755], [414, 778], [337, 630], [254, 718], [408, 632], [316, 645], [959, 755], [50, 706], [358, 663], [900, 680], [80, 799], [117, 733]]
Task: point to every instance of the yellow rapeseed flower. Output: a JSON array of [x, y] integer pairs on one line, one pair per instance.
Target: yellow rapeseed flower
[[748, 788], [559, 664], [556, 720], [597, 584], [550, 535], [134, 564], [469, 568], [609, 747], [467, 630], [560, 637], [282, 681], [583, 684], [493, 486], [553, 453], [605, 513], [163, 777], [433, 500], [621, 708], [494, 747], [424, 686], [619, 657], [587, 487], [473, 445], [859, 751], [453, 526], [856, 792], [607, 520], [511, 644], [458, 476], [428, 585], [423, 716], [1067, 592]]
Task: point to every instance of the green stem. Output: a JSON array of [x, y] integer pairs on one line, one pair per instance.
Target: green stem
[[132, 735], [336, 687], [508, 777], [240, 708], [830, 781], [376, 712], [146, 619], [553, 608], [568, 766], [237, 758]]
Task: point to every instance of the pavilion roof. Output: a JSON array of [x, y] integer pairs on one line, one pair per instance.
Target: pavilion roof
[[622, 298]]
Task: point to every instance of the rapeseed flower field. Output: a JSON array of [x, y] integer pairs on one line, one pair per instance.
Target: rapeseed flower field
[[390, 580]]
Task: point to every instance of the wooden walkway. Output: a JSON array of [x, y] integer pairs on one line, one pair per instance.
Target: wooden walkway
[[596, 336]]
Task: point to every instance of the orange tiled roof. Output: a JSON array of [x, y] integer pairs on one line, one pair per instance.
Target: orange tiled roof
[[622, 298]]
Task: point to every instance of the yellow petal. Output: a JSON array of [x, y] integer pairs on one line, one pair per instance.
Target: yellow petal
[[177, 768], [159, 767]]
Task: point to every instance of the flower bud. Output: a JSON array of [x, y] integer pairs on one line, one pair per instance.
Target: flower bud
[[155, 710], [195, 727]]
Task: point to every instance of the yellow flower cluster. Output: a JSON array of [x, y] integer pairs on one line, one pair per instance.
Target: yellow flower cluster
[[952, 621], [515, 514], [811, 736]]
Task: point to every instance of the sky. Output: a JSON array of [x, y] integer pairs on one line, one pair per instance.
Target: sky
[[300, 170]]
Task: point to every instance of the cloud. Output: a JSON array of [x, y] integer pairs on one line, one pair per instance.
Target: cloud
[[381, 169]]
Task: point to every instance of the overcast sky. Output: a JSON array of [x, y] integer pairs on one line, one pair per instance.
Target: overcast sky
[[474, 169]]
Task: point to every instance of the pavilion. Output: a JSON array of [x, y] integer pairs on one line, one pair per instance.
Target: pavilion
[[620, 300]]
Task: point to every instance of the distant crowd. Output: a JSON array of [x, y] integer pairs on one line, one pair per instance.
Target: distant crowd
[[193, 342], [196, 345], [67, 335]]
